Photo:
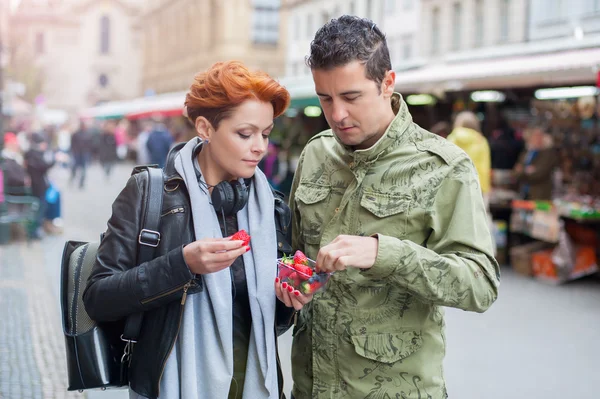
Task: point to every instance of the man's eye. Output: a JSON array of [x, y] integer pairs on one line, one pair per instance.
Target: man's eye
[[350, 99], [326, 99]]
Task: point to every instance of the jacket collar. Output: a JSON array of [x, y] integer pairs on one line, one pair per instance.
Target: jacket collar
[[170, 172]]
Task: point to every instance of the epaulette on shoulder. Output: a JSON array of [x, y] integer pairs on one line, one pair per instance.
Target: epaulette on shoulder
[[449, 152], [324, 133]]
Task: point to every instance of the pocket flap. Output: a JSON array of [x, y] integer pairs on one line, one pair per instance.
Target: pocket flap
[[312, 193], [388, 347], [384, 205]]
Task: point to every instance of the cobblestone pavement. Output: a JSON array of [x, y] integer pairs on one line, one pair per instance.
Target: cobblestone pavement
[[538, 341]]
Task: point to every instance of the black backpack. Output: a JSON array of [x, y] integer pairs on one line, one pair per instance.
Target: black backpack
[[98, 353]]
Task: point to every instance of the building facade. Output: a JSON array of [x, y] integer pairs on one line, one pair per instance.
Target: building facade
[[84, 52], [187, 36], [305, 17]]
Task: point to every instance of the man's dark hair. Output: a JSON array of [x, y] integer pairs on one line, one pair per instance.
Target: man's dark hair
[[347, 39]]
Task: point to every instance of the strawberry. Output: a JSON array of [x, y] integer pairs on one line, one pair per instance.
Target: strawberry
[[300, 258], [306, 270], [241, 236]]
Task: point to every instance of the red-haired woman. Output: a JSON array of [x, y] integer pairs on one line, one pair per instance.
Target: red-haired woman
[[209, 301]]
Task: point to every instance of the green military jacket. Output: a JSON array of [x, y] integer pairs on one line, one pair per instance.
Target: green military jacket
[[379, 332]]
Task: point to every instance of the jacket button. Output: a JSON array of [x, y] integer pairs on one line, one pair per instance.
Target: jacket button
[[280, 245]]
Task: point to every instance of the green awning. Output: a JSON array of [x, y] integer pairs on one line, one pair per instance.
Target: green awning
[[301, 103]]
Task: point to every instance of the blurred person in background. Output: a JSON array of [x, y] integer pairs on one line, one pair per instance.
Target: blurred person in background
[[396, 212], [505, 148], [16, 179], [63, 145], [107, 147], [442, 129], [535, 167], [209, 332], [143, 154], [81, 152], [467, 135], [159, 143], [270, 165], [38, 161]]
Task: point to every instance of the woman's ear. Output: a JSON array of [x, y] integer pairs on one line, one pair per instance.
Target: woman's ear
[[203, 128]]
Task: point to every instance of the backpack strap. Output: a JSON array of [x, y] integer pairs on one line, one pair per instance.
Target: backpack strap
[[148, 240]]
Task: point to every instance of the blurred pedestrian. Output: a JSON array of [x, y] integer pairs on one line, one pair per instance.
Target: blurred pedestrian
[[81, 151], [38, 161], [467, 135], [63, 146], [107, 147], [442, 129], [16, 179], [159, 144], [536, 165], [505, 147], [143, 154], [270, 165]]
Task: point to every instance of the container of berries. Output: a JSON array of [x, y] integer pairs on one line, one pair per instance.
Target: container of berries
[[299, 272]]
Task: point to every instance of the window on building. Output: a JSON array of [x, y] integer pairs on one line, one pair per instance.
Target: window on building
[[390, 6], [407, 4], [553, 9], [479, 15], [351, 8], [309, 26], [407, 47], [296, 28], [104, 34], [596, 6], [369, 9], [40, 43], [435, 31], [456, 26], [265, 28], [504, 20]]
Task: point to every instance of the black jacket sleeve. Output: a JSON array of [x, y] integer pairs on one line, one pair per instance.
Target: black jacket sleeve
[[117, 288]]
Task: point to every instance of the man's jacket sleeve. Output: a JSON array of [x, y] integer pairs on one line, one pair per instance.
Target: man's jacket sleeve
[[455, 267]]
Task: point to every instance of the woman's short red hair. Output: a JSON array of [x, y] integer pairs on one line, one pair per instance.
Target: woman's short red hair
[[217, 91]]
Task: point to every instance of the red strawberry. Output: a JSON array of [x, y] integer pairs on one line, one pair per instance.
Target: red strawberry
[[303, 269], [300, 258], [241, 236]]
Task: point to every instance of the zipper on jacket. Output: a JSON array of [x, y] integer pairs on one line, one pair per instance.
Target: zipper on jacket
[[186, 287], [173, 211], [164, 294]]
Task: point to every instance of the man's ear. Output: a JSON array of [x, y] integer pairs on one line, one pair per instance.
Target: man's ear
[[388, 84], [203, 128]]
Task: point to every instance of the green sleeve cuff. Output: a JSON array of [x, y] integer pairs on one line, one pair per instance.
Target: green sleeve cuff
[[389, 253]]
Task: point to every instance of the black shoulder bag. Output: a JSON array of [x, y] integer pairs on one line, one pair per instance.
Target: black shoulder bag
[[98, 354]]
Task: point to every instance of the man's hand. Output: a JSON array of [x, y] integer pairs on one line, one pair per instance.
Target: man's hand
[[289, 296], [210, 255], [348, 251]]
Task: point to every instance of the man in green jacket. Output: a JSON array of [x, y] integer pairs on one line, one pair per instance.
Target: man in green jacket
[[397, 213]]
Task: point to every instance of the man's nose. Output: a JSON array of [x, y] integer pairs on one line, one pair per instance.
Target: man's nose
[[338, 113]]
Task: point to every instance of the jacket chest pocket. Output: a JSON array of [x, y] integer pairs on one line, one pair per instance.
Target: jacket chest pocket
[[312, 201], [385, 213]]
